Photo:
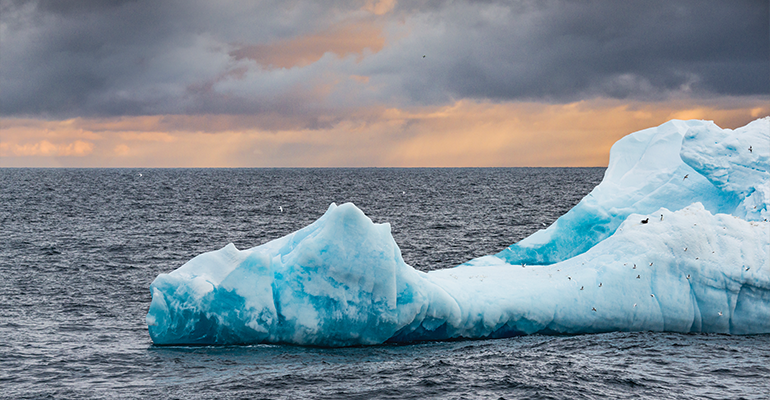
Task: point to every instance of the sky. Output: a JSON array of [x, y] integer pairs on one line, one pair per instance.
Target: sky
[[377, 83]]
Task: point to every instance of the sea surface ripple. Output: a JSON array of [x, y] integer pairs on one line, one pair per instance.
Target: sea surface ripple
[[80, 247]]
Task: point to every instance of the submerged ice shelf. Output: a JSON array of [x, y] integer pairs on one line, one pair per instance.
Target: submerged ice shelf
[[675, 238]]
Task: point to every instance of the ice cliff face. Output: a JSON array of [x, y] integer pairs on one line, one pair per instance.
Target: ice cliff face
[[699, 263], [336, 282]]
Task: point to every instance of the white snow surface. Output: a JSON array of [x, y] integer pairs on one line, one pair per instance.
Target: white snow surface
[[675, 238]]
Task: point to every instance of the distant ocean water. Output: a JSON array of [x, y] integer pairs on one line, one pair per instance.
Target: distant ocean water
[[79, 248]]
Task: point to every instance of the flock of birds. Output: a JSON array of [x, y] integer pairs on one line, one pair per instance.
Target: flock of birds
[[639, 276]]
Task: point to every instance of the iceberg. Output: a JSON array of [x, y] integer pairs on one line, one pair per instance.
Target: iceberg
[[675, 238]]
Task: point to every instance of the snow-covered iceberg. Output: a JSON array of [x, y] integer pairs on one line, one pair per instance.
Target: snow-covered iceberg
[[675, 238]]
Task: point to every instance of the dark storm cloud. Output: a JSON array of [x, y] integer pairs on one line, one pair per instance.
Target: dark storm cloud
[[561, 51], [90, 58], [137, 57]]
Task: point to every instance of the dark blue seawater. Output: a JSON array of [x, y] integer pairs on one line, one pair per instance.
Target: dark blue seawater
[[79, 248]]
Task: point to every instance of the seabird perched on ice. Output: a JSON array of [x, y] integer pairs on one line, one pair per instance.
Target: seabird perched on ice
[[688, 276], [651, 264], [685, 249], [581, 288], [569, 277], [600, 284], [685, 176], [750, 150], [748, 268], [593, 308], [720, 313], [634, 266], [638, 277], [661, 217], [646, 220], [634, 304], [652, 295]]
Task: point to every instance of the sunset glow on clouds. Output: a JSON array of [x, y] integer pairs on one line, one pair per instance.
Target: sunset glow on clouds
[[466, 133], [245, 84]]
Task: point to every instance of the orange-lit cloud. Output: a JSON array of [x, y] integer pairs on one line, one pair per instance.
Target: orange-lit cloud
[[147, 136], [466, 133], [380, 7], [44, 148], [533, 134], [342, 40]]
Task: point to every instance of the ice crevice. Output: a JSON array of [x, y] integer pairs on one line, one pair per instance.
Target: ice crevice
[[700, 263]]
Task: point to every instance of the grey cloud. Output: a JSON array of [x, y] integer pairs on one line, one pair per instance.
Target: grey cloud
[[563, 51], [136, 57]]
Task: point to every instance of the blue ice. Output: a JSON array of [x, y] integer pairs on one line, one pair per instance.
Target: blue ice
[[699, 263]]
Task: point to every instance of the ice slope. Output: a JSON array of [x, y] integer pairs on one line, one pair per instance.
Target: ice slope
[[701, 267], [645, 173]]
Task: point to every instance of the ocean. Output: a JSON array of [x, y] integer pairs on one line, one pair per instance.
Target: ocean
[[79, 248]]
